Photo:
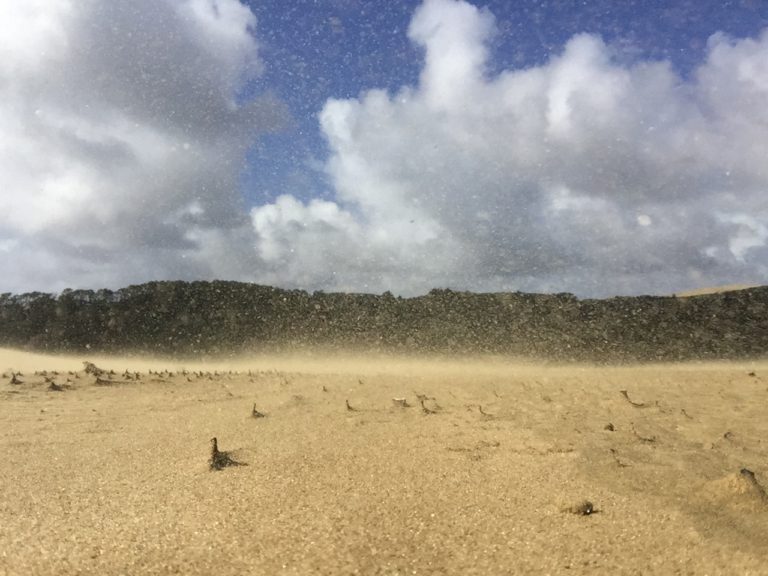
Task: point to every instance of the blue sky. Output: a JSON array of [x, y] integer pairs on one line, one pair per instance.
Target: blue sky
[[597, 147], [317, 50]]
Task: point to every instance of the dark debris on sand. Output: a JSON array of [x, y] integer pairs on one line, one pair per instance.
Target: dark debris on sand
[[220, 459]]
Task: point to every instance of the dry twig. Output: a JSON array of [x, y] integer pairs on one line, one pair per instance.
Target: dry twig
[[484, 413], [256, 414], [635, 404], [615, 454], [750, 477], [646, 439], [220, 459], [585, 508]]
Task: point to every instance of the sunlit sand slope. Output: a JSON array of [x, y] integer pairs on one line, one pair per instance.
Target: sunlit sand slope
[[483, 468], [715, 290]]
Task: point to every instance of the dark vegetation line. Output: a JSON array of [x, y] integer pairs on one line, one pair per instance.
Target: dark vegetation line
[[192, 318]]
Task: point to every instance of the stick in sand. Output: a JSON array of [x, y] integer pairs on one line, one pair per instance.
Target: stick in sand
[[635, 404], [256, 414], [220, 459]]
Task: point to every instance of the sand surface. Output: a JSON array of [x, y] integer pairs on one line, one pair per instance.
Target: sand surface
[[113, 478], [715, 290]]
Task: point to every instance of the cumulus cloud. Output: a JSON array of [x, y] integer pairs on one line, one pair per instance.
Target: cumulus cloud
[[123, 137], [125, 129], [586, 174]]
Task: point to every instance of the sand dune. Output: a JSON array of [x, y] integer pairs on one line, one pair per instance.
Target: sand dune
[[714, 290], [485, 472]]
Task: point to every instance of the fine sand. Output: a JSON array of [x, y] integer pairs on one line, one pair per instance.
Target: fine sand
[[111, 475], [715, 290]]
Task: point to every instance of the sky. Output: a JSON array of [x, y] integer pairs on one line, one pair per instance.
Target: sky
[[598, 148]]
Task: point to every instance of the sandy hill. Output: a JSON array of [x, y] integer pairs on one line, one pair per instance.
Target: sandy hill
[[714, 290]]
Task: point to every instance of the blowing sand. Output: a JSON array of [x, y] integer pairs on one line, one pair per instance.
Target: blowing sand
[[489, 476]]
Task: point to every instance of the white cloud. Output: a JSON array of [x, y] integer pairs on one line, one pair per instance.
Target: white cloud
[[583, 174], [224, 30], [124, 132], [455, 51], [123, 138], [32, 33]]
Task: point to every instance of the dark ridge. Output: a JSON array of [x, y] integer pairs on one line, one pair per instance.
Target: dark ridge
[[214, 318]]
